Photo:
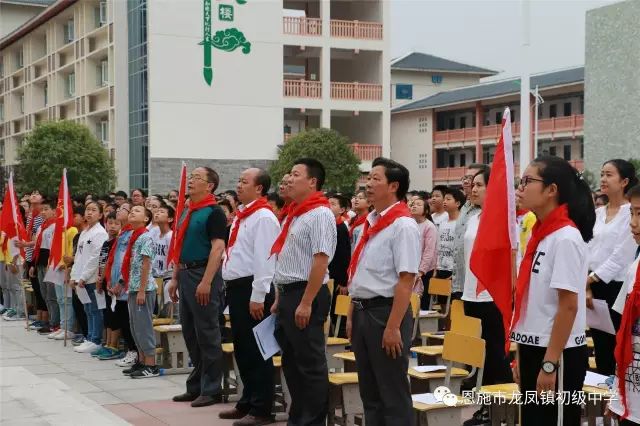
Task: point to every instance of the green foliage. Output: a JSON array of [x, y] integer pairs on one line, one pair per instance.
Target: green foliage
[[54, 145], [328, 147], [591, 179], [636, 164]]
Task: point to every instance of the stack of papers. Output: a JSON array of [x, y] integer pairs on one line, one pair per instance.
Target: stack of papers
[[429, 368]]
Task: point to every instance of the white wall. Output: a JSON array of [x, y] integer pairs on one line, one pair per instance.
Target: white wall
[[423, 86], [240, 116], [12, 16], [411, 145]]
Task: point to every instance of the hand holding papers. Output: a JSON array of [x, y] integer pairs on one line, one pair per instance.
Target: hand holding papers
[[265, 339]]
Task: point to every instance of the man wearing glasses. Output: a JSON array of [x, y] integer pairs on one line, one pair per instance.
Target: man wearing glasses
[[199, 245]]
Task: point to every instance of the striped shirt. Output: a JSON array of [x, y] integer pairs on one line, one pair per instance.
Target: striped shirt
[[311, 233], [28, 251]]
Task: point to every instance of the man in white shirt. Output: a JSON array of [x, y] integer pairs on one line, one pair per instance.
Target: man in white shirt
[[382, 270], [248, 272]]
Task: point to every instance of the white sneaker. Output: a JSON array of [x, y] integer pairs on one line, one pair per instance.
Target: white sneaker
[[129, 359], [54, 334], [86, 348], [60, 336]]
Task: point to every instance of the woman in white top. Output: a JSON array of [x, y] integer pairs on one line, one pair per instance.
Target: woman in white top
[[496, 364], [626, 407], [428, 254], [610, 253], [549, 317]]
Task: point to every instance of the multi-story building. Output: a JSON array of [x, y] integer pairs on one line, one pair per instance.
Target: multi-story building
[[417, 75], [14, 13], [439, 136], [213, 83]]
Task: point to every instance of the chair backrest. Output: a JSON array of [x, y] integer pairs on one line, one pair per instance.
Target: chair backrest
[[467, 326], [457, 309], [463, 349], [415, 304], [440, 286], [331, 286], [342, 305]]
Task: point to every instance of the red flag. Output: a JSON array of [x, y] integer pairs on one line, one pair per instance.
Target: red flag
[[492, 256], [64, 220], [173, 256], [11, 220]]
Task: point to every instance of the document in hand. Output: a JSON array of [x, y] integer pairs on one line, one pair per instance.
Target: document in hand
[[101, 300], [83, 295], [265, 339], [599, 317]]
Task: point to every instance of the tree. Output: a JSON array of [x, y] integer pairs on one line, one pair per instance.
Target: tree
[[326, 146], [54, 145]]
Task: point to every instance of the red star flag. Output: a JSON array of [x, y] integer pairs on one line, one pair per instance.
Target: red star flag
[[64, 220], [11, 223], [492, 258]]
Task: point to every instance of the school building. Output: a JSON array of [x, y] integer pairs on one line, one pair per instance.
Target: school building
[[218, 83], [438, 136]]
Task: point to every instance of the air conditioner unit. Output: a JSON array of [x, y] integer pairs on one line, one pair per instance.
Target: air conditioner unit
[[104, 73], [103, 13]]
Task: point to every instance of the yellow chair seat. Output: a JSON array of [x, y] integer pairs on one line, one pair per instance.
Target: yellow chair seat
[[162, 321], [340, 379], [592, 362], [334, 341], [165, 328], [431, 335], [590, 342], [227, 348], [455, 372], [277, 361], [419, 406], [346, 356], [432, 350]]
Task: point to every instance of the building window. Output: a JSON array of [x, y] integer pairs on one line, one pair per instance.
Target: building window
[[463, 122], [103, 73], [436, 79], [103, 132], [21, 104], [566, 151], [567, 109], [423, 161], [552, 151], [404, 91], [423, 124], [487, 156], [69, 31], [451, 123], [499, 117], [46, 94], [463, 160], [20, 58], [1, 114], [71, 85], [553, 111], [452, 160], [1, 150], [441, 158], [1, 69], [100, 14]]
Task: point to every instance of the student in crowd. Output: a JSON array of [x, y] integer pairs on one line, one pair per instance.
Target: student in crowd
[[41, 249], [248, 273], [549, 319], [304, 249], [84, 274], [481, 305], [142, 291], [342, 256], [625, 404], [138, 197], [454, 199], [34, 221], [283, 192], [610, 253], [382, 272], [275, 202], [229, 214], [163, 217], [13, 275], [200, 247], [120, 198], [82, 326], [153, 203], [446, 229], [436, 205], [173, 196], [361, 207], [111, 348], [56, 274], [428, 248]]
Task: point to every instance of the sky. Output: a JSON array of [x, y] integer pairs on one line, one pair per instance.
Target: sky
[[488, 33]]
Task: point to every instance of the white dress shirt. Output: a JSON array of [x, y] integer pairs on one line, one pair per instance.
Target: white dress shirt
[[391, 251], [250, 254], [612, 248]]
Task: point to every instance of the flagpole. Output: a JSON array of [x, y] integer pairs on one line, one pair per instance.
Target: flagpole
[[525, 88]]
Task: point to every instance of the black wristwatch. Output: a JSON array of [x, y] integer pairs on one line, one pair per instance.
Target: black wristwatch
[[549, 367]]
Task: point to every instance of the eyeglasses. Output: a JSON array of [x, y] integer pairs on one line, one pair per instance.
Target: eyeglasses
[[196, 177], [466, 177], [526, 180], [123, 209]]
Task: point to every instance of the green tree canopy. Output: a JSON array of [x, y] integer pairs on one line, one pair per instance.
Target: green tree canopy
[[326, 146], [54, 145]]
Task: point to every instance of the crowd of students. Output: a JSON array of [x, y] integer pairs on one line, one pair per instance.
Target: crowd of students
[[378, 245]]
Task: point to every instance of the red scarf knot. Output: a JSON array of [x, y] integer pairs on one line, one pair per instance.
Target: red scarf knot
[[182, 227], [128, 256], [260, 203]]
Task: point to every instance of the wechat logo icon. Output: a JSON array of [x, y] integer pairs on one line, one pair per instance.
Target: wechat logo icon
[[443, 394]]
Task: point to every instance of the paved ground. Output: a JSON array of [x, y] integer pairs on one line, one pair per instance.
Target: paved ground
[[42, 382]]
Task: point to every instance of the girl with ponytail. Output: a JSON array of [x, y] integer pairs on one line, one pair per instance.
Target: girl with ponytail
[[610, 253], [549, 319]]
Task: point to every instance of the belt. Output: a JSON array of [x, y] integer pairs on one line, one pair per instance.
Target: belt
[[238, 281], [287, 288], [193, 265], [375, 302]]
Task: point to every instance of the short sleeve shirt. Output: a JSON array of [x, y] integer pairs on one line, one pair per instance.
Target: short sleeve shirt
[[205, 225], [445, 245], [143, 247]]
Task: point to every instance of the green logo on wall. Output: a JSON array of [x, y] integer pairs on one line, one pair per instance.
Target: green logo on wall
[[226, 40]]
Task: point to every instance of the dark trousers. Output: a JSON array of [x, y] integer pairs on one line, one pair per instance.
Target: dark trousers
[[81, 316], [425, 299], [496, 363], [303, 356], [201, 332], [384, 387], [41, 304], [604, 343], [256, 373], [574, 364]]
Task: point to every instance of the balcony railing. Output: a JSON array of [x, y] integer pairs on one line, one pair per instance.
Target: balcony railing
[[455, 174], [302, 89], [548, 126], [356, 29], [356, 91], [299, 25], [366, 152]]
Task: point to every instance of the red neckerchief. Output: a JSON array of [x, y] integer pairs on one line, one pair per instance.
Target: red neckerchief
[[209, 200], [399, 210], [317, 199], [557, 219], [112, 255], [355, 222], [34, 214], [339, 220], [284, 212], [260, 203], [623, 352], [36, 250], [126, 261]]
